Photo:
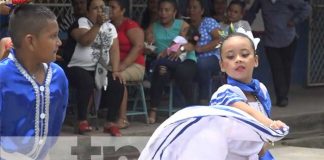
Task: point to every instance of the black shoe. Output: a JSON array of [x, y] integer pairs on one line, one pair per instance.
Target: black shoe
[[282, 103]]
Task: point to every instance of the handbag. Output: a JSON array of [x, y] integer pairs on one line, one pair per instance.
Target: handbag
[[101, 71], [101, 80]]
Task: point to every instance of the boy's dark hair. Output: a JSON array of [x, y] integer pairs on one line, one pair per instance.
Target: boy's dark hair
[[193, 35], [241, 3], [237, 34], [28, 19]]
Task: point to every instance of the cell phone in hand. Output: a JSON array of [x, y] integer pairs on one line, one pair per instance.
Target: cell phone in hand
[[105, 10]]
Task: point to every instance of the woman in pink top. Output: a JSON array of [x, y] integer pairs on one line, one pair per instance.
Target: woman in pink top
[[131, 41]]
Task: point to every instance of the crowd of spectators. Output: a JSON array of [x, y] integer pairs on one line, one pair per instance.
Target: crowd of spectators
[[169, 43]]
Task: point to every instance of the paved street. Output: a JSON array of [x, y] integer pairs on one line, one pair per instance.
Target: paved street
[[304, 115]]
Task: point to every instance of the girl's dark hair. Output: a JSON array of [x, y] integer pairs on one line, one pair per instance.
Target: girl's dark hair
[[241, 3], [123, 5], [203, 6], [237, 34], [193, 35], [174, 4], [213, 12]]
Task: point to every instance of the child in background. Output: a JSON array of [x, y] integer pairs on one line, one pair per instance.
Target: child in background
[[238, 60], [219, 9], [234, 15], [33, 90]]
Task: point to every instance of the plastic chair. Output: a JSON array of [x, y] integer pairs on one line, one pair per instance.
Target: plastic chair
[[139, 96], [169, 108]]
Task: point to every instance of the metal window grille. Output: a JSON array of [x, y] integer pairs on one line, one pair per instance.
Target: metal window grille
[[315, 73], [63, 7]]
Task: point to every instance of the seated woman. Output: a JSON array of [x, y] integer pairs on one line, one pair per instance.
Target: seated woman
[[167, 65], [97, 43], [131, 42], [206, 51]]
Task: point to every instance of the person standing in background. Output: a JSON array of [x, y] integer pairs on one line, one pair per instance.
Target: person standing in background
[[206, 51], [280, 38]]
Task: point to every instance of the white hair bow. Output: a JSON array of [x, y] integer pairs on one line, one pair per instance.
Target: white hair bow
[[250, 35]]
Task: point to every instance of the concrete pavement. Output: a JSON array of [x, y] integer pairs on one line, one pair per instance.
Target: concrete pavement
[[297, 153], [304, 115]]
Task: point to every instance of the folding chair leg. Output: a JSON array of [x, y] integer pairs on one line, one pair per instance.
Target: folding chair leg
[[140, 96], [171, 99], [143, 100]]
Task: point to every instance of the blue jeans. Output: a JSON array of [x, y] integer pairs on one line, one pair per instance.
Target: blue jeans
[[207, 66]]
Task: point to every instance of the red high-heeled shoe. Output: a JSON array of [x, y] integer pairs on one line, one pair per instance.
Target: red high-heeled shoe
[[113, 130], [84, 127]]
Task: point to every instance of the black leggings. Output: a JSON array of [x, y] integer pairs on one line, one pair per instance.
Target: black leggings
[[183, 73], [83, 81]]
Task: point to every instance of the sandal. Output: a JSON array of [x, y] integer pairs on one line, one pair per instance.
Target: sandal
[[84, 127], [113, 131], [152, 116], [123, 123]]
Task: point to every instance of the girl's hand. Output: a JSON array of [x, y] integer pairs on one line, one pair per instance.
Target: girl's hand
[[277, 124]]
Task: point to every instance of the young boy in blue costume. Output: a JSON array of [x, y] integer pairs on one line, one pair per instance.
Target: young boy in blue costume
[[33, 90]]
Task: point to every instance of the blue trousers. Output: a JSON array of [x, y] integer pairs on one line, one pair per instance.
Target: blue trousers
[[207, 66]]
